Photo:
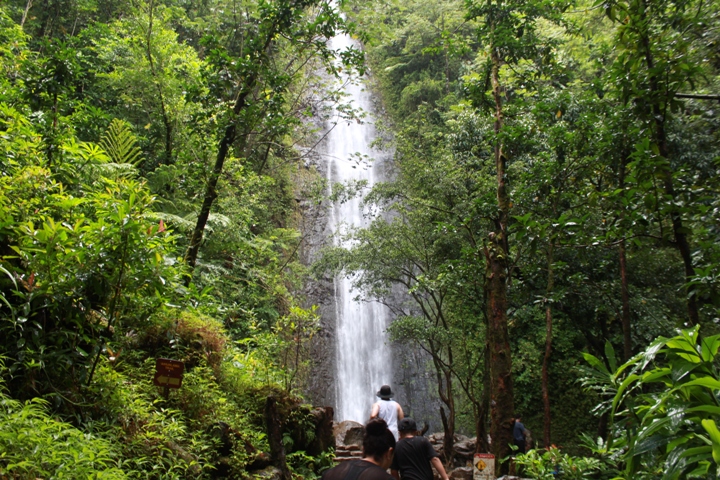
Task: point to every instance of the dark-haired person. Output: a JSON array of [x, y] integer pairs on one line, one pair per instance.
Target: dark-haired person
[[414, 455], [520, 433], [378, 449], [387, 409]]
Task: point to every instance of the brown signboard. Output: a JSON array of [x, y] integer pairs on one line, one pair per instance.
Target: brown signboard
[[168, 373]]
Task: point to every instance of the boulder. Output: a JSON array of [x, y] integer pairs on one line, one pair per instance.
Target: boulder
[[269, 473], [324, 437], [348, 433], [461, 473], [465, 448]]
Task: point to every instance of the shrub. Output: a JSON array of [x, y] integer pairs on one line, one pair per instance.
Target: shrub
[[34, 445]]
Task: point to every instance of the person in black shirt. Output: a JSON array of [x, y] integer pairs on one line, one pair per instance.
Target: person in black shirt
[[378, 449], [414, 455]]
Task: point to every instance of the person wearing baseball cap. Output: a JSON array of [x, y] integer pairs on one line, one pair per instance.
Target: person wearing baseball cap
[[414, 455], [387, 409]]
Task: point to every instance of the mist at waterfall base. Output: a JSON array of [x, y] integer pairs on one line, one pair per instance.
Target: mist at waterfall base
[[363, 357]]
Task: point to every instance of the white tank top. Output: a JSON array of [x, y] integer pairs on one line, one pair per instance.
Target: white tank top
[[388, 412]]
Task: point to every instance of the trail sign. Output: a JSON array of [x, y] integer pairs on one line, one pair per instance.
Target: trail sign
[[484, 466], [168, 373]]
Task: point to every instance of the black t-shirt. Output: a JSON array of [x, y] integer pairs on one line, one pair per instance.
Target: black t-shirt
[[412, 458], [356, 470]]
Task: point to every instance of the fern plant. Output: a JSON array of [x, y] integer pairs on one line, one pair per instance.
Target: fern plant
[[120, 143]]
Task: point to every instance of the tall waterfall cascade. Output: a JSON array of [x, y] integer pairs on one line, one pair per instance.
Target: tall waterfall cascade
[[362, 355]]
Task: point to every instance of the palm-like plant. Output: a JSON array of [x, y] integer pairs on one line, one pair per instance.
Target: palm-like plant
[[664, 405]]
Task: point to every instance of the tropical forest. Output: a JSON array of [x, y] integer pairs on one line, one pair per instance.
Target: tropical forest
[[228, 226]]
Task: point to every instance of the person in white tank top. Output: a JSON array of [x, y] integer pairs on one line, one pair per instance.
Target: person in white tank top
[[387, 409]]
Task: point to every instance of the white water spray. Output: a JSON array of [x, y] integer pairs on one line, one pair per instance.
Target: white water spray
[[363, 360]]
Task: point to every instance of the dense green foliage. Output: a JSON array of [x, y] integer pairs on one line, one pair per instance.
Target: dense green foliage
[[111, 114], [555, 183], [664, 406]]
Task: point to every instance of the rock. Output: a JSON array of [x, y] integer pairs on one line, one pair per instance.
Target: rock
[[185, 455], [261, 460], [348, 433], [465, 448], [461, 473], [324, 432], [269, 473]]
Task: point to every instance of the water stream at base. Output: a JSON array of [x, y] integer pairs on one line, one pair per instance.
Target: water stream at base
[[363, 358]]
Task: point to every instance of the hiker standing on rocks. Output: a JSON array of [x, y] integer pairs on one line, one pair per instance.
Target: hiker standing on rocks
[[414, 455], [378, 449], [387, 409]]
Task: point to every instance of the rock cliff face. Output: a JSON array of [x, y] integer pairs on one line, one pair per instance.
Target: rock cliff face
[[320, 292]]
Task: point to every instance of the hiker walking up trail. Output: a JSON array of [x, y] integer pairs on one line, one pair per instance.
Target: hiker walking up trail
[[414, 455], [378, 449], [387, 409]]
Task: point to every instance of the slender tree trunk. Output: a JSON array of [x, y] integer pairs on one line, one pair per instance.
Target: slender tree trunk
[[211, 190], [445, 392], [163, 110], [277, 450], [249, 84], [548, 351], [502, 402], [624, 289], [28, 6], [681, 240], [625, 295], [482, 445]]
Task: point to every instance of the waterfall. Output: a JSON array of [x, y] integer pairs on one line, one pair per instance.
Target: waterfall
[[362, 356]]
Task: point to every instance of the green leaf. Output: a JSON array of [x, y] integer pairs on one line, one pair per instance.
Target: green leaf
[[712, 429], [610, 355], [707, 382]]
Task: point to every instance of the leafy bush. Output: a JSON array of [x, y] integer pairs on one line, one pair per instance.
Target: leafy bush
[[552, 463], [34, 445], [664, 404]]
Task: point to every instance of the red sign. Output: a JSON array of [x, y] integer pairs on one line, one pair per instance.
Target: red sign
[[168, 373]]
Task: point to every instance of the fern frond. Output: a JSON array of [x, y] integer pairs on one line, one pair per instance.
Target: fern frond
[[177, 222], [120, 143]]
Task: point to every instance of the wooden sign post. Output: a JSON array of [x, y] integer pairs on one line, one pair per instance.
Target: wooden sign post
[[168, 374], [484, 466]]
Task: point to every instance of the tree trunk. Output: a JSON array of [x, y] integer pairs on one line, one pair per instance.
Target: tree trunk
[[163, 111], [28, 6], [210, 191], [660, 139], [624, 289], [249, 84], [277, 450], [625, 295], [502, 402], [482, 445], [445, 392], [548, 351]]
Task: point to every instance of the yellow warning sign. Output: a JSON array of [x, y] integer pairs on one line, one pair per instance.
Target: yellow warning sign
[[484, 464]]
